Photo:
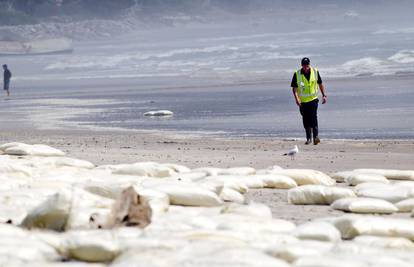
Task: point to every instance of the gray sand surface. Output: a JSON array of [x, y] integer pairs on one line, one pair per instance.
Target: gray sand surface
[[197, 151]]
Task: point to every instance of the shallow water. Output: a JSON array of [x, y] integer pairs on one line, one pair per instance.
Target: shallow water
[[231, 79], [356, 108]]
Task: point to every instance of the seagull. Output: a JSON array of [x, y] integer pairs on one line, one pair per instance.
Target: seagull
[[292, 152]]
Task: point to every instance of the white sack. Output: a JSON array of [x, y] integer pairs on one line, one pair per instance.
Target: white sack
[[230, 195], [237, 171], [150, 169], [159, 113], [390, 174], [406, 205], [306, 176], [385, 242], [188, 194], [33, 150], [293, 251], [359, 178], [391, 193], [340, 177], [277, 181], [351, 226], [319, 231], [91, 245], [52, 214], [317, 194], [364, 205]]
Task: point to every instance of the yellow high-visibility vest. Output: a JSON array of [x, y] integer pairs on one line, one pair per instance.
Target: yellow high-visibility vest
[[307, 90]]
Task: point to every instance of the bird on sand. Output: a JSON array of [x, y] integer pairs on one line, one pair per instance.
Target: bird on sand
[[292, 152]]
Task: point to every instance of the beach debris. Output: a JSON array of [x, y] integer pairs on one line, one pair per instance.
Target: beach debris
[[364, 205], [307, 176], [52, 214], [359, 178], [390, 193], [319, 231], [21, 149], [352, 225], [292, 153], [317, 194], [90, 245], [406, 205], [159, 113], [390, 174], [129, 210], [385, 242]]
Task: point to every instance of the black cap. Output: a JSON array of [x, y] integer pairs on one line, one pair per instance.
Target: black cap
[[305, 61], [4, 66]]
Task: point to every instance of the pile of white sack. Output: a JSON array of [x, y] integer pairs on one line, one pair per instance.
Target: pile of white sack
[[54, 212]]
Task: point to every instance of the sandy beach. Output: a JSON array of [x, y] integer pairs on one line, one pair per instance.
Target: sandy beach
[[201, 151]]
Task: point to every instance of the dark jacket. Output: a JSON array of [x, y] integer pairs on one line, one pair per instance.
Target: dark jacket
[[7, 75]]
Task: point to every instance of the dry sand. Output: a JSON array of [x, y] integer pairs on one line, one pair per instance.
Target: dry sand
[[200, 151]]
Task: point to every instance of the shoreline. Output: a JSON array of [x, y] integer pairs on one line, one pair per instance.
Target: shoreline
[[110, 147]]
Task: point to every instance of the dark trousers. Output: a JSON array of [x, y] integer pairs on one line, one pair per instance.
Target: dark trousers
[[309, 112]]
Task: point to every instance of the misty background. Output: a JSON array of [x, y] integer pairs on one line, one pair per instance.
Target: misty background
[[221, 66]]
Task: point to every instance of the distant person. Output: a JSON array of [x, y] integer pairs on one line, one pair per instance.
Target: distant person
[[6, 79], [305, 83]]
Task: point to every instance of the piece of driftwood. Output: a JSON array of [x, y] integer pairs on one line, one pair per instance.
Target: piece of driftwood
[[129, 210]]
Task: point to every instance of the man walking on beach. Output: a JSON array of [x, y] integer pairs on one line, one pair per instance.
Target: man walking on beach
[[305, 83], [6, 79]]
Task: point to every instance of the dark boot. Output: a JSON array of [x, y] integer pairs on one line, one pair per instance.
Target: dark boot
[[308, 136]]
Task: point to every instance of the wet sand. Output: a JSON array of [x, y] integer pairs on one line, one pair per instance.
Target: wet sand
[[201, 151]]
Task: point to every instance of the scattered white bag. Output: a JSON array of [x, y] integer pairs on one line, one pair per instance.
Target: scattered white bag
[[52, 214], [364, 205], [406, 205], [317, 194], [230, 195], [276, 181], [306, 176], [177, 168], [359, 178], [291, 252], [231, 182], [150, 169], [159, 113], [238, 171], [33, 150], [390, 193], [390, 174], [371, 185], [385, 242], [351, 226], [91, 245], [340, 177], [72, 162], [188, 194], [319, 231]]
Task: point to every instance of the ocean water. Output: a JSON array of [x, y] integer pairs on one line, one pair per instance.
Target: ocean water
[[231, 80]]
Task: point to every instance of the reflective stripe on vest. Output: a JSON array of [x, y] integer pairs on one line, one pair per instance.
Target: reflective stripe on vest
[[307, 90]]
